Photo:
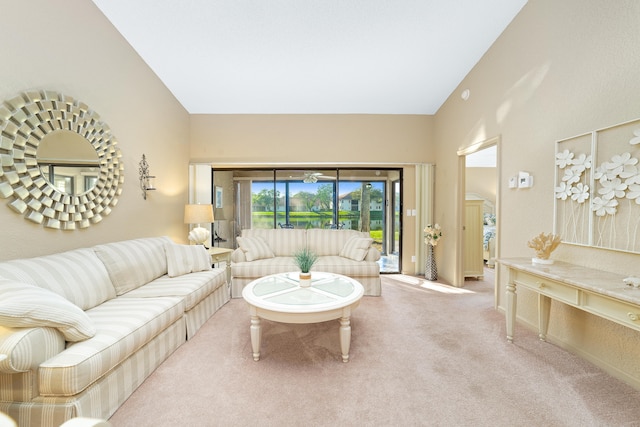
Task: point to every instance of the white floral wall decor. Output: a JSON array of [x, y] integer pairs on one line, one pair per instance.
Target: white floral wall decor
[[597, 188]]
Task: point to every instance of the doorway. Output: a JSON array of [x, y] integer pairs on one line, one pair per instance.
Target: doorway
[[479, 201]]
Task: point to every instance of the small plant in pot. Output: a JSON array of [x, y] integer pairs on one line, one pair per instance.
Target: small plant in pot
[[305, 259]]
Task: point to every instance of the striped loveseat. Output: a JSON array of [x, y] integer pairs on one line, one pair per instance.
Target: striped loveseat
[[82, 329], [268, 251]]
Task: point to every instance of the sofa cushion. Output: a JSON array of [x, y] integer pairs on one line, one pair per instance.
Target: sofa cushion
[[373, 254], [78, 275], [348, 267], [132, 263], [283, 242], [330, 242], [24, 306], [238, 256], [255, 248], [183, 259], [356, 248], [193, 287], [123, 325], [263, 267]]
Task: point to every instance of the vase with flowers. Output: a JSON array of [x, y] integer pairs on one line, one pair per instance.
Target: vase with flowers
[[433, 234]]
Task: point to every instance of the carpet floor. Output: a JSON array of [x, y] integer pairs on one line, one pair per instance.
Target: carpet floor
[[422, 354]]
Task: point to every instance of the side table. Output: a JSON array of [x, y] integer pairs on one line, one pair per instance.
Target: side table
[[219, 255]]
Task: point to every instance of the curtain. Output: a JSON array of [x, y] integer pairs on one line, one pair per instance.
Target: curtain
[[425, 174]]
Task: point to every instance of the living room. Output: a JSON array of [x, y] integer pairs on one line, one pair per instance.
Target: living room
[[558, 70]]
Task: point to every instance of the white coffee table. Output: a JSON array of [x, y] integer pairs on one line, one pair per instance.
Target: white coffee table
[[279, 297]]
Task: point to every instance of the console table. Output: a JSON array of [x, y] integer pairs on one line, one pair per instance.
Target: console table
[[598, 292]]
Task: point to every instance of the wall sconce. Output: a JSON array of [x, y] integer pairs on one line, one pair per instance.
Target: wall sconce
[[198, 214], [145, 178]]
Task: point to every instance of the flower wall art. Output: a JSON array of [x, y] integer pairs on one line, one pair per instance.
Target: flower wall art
[[597, 188]]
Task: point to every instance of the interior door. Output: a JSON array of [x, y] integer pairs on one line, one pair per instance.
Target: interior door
[[473, 262]]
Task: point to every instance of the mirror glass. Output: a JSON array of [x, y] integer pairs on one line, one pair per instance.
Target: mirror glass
[[68, 161]]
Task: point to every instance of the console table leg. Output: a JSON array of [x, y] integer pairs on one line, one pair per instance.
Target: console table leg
[[345, 337], [544, 308], [511, 309], [256, 335]]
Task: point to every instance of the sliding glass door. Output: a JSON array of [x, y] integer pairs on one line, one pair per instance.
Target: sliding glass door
[[367, 200]]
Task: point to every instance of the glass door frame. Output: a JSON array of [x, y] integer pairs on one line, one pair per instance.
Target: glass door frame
[[392, 218]]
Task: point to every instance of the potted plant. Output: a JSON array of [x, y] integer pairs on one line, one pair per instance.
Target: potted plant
[[305, 259]]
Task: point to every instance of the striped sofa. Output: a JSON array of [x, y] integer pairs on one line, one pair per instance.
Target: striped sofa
[[98, 322], [268, 251]]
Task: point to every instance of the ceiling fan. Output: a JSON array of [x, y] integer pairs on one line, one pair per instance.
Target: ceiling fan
[[312, 177]]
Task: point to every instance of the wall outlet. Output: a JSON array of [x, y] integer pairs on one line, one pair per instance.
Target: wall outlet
[[413, 258]]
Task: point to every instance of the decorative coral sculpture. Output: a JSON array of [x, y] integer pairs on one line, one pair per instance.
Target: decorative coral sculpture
[[544, 244]]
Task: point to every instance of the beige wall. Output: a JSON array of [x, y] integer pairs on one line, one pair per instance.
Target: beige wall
[[559, 69], [302, 138], [394, 140], [70, 47], [482, 181]]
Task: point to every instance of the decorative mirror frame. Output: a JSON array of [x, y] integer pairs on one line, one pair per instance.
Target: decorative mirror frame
[[24, 121]]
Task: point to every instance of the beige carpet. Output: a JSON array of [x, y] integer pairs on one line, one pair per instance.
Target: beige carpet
[[422, 354]]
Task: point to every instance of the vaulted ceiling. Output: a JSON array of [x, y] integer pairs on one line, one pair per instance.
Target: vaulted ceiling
[[311, 56]]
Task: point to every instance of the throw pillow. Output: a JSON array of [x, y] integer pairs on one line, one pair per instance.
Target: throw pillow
[[255, 248], [133, 263], [27, 306], [356, 248], [183, 259]]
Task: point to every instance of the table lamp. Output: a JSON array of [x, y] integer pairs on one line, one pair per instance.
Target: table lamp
[[198, 214]]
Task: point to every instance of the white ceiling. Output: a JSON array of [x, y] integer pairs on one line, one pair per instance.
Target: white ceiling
[[311, 56]]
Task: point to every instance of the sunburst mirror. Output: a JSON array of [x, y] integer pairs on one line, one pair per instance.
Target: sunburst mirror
[[60, 166]]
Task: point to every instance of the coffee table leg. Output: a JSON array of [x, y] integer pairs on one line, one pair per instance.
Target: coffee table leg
[[256, 332], [345, 337]]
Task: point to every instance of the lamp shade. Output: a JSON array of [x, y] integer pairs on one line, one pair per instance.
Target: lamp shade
[[219, 214], [198, 214]]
